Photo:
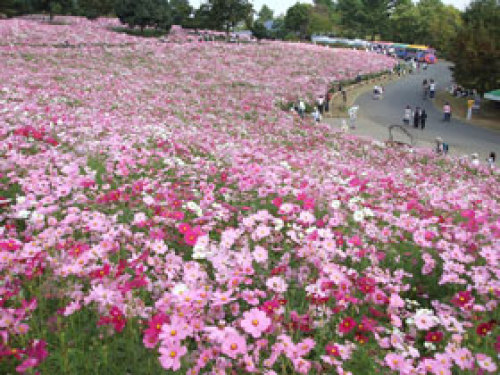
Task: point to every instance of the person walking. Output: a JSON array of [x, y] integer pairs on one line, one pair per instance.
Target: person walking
[[302, 108], [491, 159], [316, 115], [327, 101], [447, 112], [416, 118], [423, 119], [432, 89], [320, 103], [407, 115], [425, 88]]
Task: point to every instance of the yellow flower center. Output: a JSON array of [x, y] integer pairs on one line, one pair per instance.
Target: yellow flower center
[[255, 322]]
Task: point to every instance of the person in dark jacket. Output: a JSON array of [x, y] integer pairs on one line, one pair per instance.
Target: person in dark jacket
[[423, 119], [416, 117]]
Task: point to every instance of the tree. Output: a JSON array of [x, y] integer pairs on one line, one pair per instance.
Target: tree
[[11, 8], [366, 18], [437, 24], [181, 11], [92, 9], [259, 30], [265, 14], [226, 14], [298, 18], [319, 21], [403, 22], [52, 7], [475, 50], [144, 13]]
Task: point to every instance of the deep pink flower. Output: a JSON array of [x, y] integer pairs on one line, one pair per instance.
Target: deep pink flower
[[434, 336], [347, 325]]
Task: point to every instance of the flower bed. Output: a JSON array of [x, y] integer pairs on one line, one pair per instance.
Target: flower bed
[[160, 212]]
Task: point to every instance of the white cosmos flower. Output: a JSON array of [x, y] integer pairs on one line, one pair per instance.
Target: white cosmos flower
[[358, 216], [335, 204], [148, 199], [23, 214], [179, 289]]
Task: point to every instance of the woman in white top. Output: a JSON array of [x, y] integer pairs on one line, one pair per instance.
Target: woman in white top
[[407, 115]]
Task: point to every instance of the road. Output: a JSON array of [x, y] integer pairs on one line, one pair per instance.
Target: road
[[376, 115]]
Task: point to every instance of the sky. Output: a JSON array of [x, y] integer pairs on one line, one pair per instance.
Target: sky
[[280, 6]]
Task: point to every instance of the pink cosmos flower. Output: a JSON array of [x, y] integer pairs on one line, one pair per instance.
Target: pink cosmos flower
[[255, 322], [394, 361], [425, 321], [171, 356], [486, 363], [233, 345], [277, 284]]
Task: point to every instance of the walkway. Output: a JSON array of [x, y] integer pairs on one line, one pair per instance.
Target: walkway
[[375, 116]]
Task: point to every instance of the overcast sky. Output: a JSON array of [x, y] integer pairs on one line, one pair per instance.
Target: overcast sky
[[280, 6]]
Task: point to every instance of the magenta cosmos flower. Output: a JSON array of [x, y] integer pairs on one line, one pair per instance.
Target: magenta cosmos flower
[[255, 322]]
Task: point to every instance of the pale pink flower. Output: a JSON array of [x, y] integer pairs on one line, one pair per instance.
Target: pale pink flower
[[255, 322], [170, 357], [234, 345]]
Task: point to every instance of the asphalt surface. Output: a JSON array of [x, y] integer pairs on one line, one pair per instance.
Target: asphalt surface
[[463, 138]]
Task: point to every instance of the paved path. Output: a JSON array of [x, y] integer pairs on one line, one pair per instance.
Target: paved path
[[376, 115]]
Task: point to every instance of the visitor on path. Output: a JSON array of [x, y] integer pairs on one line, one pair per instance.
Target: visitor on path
[[353, 115], [316, 115], [328, 100], [447, 112], [416, 117], [320, 102], [377, 92], [491, 159], [423, 119], [439, 145], [344, 96], [302, 108], [432, 89], [445, 148], [407, 115], [425, 88]]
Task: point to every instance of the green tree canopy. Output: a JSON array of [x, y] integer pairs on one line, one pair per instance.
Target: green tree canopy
[[181, 11], [224, 14], [298, 18], [92, 9], [475, 50], [265, 14], [144, 13]]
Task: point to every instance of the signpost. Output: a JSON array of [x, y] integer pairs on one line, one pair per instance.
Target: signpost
[[470, 104]]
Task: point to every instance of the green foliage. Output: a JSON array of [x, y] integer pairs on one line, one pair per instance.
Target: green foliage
[[320, 21], [475, 49], [181, 11], [259, 30], [223, 14], [365, 18], [144, 13], [265, 14], [92, 9], [298, 19]]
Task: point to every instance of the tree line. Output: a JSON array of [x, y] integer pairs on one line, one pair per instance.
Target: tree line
[[470, 38]]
